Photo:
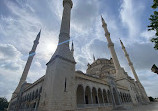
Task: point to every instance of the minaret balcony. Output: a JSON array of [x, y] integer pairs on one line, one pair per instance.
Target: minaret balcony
[[67, 1], [111, 44], [107, 34]]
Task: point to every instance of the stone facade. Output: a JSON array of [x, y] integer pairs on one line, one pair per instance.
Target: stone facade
[[104, 86]]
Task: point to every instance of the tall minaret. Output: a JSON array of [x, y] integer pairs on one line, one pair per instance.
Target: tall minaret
[[58, 87], [144, 96], [111, 47], [64, 36], [28, 63], [129, 62]]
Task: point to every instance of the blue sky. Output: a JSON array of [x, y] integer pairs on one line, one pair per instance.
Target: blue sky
[[21, 20]]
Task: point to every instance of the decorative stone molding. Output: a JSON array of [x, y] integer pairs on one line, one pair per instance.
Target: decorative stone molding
[[58, 56], [110, 44], [107, 34], [130, 64], [126, 55]]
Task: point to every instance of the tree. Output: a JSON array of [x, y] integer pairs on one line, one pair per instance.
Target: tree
[[151, 99], [154, 23], [3, 104], [154, 69]]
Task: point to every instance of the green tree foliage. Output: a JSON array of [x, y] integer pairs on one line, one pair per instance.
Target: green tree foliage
[[154, 23], [151, 99], [3, 104]]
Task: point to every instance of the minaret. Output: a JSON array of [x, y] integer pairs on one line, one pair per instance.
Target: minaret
[[111, 47], [58, 92], [28, 63], [129, 62], [64, 36], [141, 88], [72, 48], [93, 57]]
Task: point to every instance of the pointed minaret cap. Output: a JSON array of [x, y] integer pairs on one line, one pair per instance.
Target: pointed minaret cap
[[36, 42], [103, 21], [102, 18], [38, 36], [104, 25], [72, 46], [122, 43], [93, 57]]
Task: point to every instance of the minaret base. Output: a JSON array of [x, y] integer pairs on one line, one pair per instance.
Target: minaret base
[[58, 89]]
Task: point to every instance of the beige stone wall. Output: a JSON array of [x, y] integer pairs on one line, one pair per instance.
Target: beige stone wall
[[54, 95], [91, 82]]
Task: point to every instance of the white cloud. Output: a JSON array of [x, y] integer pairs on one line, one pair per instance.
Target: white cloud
[[24, 20], [84, 15], [11, 67], [10, 57], [148, 34], [130, 16], [38, 64], [149, 81]]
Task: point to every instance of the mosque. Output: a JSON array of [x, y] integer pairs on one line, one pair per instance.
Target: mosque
[[104, 86]]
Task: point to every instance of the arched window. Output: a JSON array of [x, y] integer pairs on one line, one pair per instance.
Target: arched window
[[80, 95], [128, 97], [100, 96], [30, 97], [36, 94], [27, 97], [122, 100], [94, 96], [124, 97], [33, 95], [109, 96], [88, 95], [115, 96], [40, 91], [105, 96]]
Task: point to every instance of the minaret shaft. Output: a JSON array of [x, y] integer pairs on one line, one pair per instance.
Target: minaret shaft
[[26, 70], [129, 62], [111, 47], [28, 63], [63, 49], [144, 96], [65, 24]]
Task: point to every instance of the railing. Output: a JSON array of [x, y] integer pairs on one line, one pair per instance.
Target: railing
[[28, 109], [126, 103], [93, 105]]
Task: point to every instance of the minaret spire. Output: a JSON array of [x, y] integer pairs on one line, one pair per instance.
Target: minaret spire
[[129, 61], [72, 48], [141, 88], [111, 47], [28, 63], [93, 57]]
